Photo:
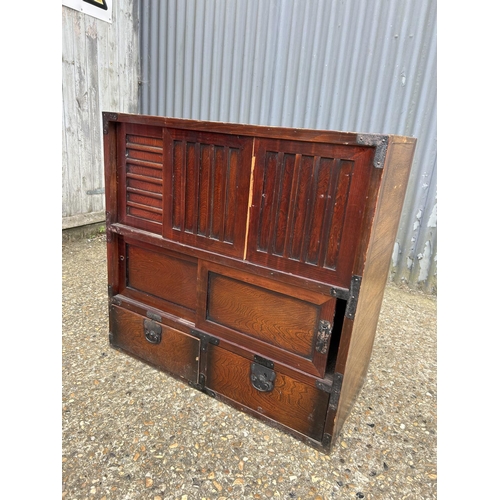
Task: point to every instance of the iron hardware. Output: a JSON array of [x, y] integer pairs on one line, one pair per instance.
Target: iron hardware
[[323, 337], [336, 387], [262, 377], [153, 316], [380, 142], [205, 339], [263, 361], [152, 331], [332, 385], [352, 301]]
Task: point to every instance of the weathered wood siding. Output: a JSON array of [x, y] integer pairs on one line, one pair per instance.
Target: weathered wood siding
[[100, 72]]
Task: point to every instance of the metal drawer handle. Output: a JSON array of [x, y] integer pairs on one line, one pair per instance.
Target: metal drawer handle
[[262, 378], [152, 331]]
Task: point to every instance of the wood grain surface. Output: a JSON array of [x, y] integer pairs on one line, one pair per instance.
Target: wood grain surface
[[292, 403], [177, 352]]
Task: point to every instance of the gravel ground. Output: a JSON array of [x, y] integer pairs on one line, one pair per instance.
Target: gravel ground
[[132, 432]]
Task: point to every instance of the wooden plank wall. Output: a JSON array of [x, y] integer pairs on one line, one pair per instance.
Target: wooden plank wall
[[100, 72]]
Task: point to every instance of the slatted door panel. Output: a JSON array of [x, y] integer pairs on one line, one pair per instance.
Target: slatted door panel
[[207, 188], [307, 208], [141, 176]]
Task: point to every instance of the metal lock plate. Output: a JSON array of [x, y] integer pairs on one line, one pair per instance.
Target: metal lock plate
[[262, 378], [152, 331]]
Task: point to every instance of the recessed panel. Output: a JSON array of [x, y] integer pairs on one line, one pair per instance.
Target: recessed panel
[[162, 275]]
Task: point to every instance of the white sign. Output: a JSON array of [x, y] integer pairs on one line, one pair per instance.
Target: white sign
[[102, 9]]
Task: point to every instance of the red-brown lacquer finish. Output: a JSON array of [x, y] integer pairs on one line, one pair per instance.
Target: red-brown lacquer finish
[[251, 261]]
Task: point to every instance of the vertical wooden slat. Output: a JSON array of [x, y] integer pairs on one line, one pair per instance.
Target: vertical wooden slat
[[339, 212], [301, 204], [292, 206], [310, 210], [178, 185], [219, 192], [190, 190], [204, 183], [330, 206], [231, 200], [270, 172], [323, 176], [283, 204]]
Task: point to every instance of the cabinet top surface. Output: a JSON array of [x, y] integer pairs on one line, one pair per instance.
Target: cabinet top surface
[[290, 133]]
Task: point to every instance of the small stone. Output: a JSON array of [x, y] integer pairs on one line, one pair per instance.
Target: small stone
[[149, 482], [217, 485], [360, 495]]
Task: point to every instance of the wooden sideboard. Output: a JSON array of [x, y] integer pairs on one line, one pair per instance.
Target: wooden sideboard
[[251, 261]]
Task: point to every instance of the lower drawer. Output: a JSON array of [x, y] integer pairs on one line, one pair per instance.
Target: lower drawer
[[293, 404], [160, 345]]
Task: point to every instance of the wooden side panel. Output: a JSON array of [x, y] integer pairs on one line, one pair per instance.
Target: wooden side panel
[[161, 279], [393, 187], [307, 208], [277, 321], [299, 406], [141, 176], [207, 183], [177, 353]]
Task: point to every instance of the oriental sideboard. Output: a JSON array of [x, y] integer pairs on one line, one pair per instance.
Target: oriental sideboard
[[251, 261]]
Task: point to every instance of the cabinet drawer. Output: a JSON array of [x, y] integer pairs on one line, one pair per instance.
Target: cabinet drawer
[[296, 405], [278, 321], [160, 345]]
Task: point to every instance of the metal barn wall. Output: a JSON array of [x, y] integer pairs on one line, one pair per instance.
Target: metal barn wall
[[353, 65], [100, 72]]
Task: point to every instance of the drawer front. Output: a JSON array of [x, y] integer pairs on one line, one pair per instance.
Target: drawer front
[[275, 320], [296, 405], [160, 345], [162, 279]]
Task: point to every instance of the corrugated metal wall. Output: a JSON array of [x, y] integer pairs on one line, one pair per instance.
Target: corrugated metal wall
[[100, 72], [357, 65]]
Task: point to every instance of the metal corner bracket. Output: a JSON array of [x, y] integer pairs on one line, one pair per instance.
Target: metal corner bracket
[[106, 118], [333, 386], [380, 142]]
